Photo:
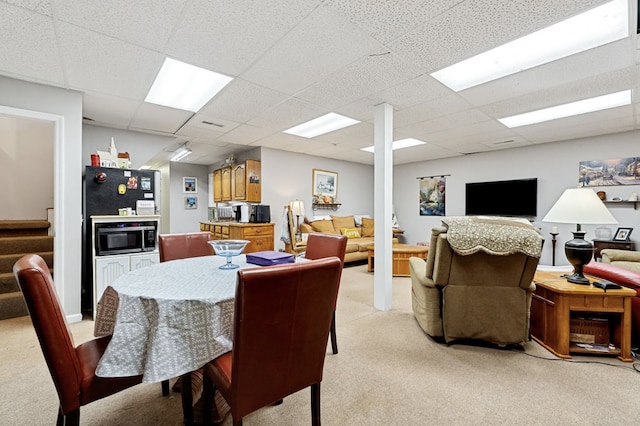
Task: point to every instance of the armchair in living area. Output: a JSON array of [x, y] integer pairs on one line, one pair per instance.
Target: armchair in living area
[[477, 281], [626, 259]]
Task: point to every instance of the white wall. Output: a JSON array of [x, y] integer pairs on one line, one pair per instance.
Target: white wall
[[140, 146], [181, 219], [64, 109], [287, 176], [554, 164], [26, 145]]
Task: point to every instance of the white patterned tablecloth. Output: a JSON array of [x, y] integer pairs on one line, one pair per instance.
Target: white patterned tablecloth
[[168, 319]]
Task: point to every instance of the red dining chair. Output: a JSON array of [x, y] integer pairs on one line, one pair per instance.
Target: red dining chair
[[72, 368], [183, 246], [326, 245], [281, 321]]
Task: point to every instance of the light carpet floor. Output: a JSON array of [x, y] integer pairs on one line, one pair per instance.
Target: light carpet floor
[[388, 372]]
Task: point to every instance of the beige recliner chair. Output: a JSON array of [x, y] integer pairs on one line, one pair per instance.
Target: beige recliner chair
[[477, 280]]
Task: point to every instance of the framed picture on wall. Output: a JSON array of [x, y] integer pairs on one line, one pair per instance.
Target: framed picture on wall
[[190, 185], [325, 183], [190, 203]]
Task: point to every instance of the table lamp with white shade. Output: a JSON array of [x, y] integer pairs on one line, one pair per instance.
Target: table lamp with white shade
[[297, 209], [583, 207]]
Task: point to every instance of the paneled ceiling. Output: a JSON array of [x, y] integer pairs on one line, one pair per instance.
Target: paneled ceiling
[[295, 60]]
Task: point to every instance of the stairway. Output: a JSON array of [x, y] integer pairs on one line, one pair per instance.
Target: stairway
[[17, 238]]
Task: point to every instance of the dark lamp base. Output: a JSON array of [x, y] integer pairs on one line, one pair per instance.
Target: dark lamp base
[[579, 252], [577, 279]]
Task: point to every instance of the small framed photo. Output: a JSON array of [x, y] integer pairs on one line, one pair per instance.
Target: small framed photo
[[190, 203], [190, 185], [622, 234]]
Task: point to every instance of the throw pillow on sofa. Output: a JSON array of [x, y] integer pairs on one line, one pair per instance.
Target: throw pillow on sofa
[[350, 232], [367, 227], [340, 222], [325, 226]]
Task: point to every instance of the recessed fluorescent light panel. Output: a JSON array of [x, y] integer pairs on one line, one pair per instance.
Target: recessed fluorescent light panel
[[402, 143], [181, 153], [596, 27], [567, 110], [183, 86], [321, 125]]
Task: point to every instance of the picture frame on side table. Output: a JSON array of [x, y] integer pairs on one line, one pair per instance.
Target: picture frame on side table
[[190, 185], [325, 183], [622, 234]]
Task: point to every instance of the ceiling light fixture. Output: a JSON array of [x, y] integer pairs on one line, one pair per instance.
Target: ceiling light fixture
[[321, 125], [402, 143], [183, 86], [598, 103], [181, 153], [596, 27]]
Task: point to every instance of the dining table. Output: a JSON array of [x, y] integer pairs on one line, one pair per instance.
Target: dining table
[[168, 319]]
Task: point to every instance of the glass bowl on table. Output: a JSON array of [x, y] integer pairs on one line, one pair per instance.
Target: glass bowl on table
[[228, 249]]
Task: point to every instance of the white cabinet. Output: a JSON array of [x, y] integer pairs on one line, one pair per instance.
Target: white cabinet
[[108, 268]]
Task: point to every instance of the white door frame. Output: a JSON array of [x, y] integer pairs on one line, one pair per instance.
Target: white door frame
[[58, 189]]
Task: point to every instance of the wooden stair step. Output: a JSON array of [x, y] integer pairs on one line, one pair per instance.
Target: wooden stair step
[[12, 305], [26, 244], [23, 227], [8, 260]]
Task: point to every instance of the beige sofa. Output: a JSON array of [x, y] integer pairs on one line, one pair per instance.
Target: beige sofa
[[624, 258], [359, 237], [477, 280]]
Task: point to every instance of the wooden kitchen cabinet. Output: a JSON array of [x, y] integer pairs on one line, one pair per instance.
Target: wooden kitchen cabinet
[[245, 181], [240, 182]]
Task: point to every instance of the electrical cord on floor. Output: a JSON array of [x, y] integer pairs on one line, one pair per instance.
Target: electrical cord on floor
[[633, 367]]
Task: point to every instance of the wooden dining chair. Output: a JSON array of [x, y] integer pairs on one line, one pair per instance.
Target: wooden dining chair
[[327, 245], [281, 320], [72, 368], [183, 246]]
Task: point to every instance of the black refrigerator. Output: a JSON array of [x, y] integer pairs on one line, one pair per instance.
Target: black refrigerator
[[107, 191]]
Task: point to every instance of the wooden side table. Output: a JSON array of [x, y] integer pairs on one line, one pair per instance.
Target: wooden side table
[[599, 245], [555, 299], [400, 260]]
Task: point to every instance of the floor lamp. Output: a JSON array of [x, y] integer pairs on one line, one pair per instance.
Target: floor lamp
[[583, 207], [297, 209]]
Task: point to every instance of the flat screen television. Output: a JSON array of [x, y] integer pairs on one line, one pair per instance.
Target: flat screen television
[[514, 198]]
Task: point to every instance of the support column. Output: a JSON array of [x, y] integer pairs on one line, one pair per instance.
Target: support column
[[383, 202]]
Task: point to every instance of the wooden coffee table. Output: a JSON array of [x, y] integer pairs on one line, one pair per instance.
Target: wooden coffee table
[[556, 299], [400, 257]]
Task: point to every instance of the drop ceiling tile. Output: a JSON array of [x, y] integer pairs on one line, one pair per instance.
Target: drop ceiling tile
[[40, 6], [123, 20], [159, 118], [385, 20], [368, 75], [245, 134], [430, 110], [28, 46], [412, 92], [104, 108], [190, 132], [105, 65], [231, 103], [228, 36], [310, 52], [287, 114]]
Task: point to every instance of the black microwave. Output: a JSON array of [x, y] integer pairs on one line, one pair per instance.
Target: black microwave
[[127, 239]]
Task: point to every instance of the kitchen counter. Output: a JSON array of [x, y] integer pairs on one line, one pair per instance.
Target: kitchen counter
[[259, 235]]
